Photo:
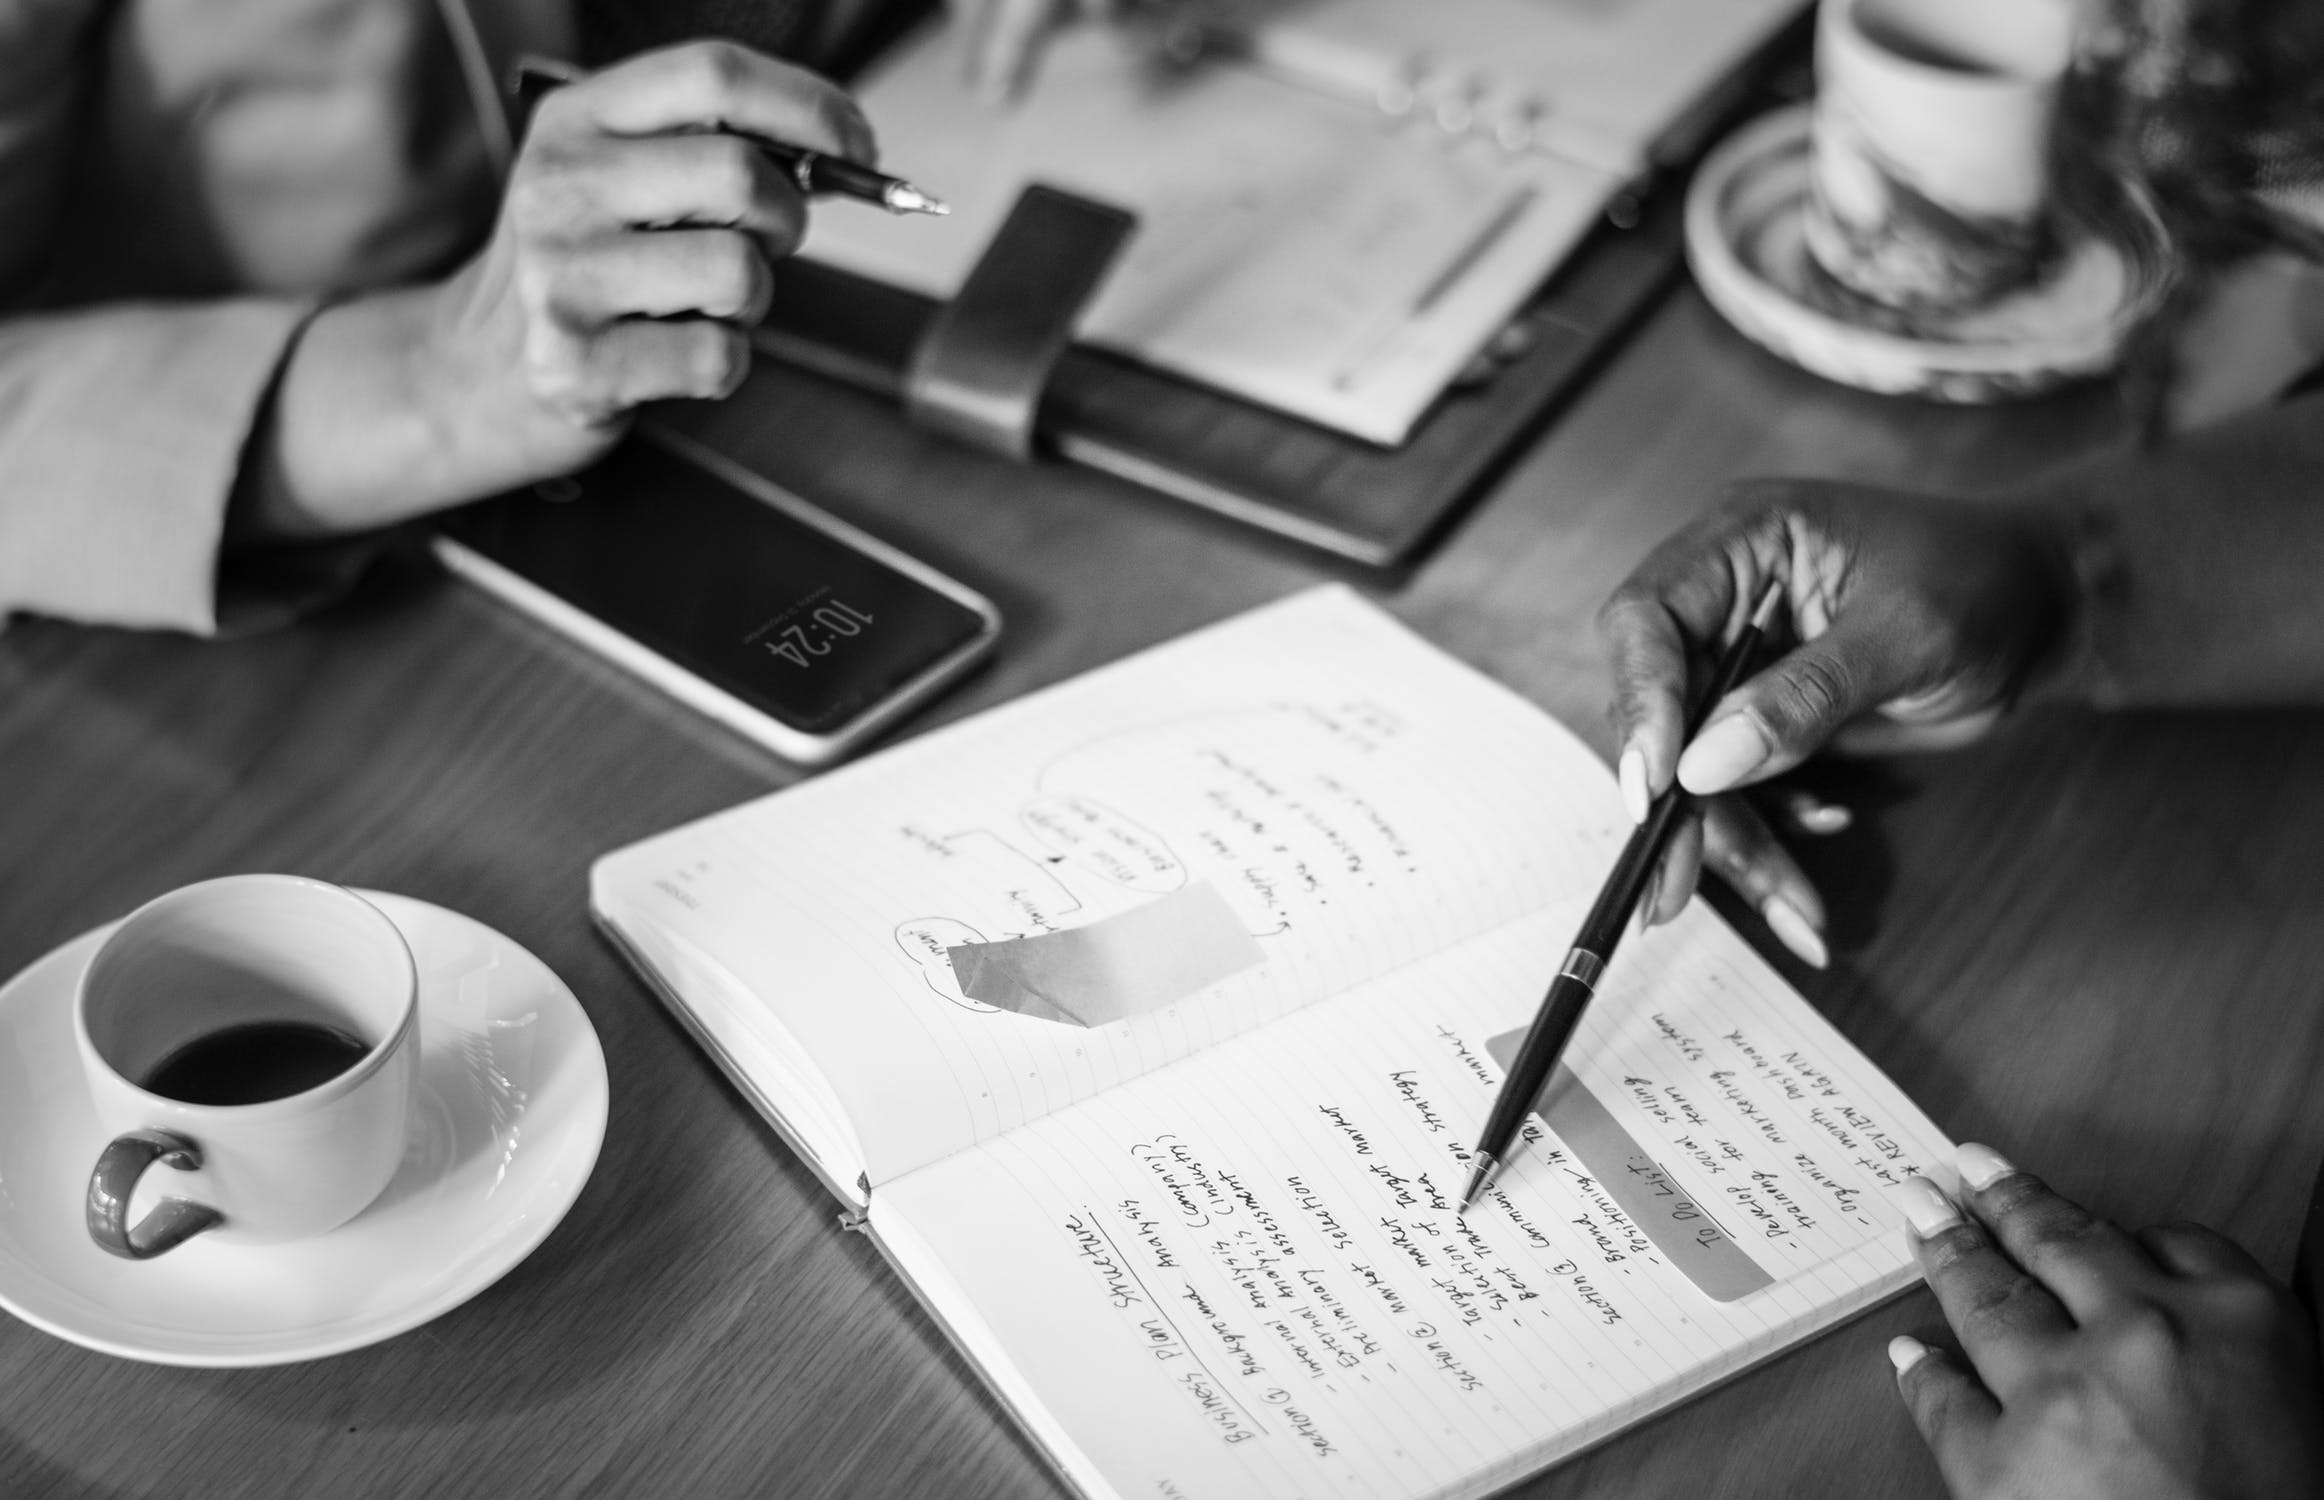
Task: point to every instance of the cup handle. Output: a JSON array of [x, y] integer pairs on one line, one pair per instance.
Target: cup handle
[[172, 1222]]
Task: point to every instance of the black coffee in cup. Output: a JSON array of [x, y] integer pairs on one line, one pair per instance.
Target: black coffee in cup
[[278, 1019], [253, 1063]]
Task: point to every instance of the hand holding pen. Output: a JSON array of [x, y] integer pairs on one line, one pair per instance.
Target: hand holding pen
[[632, 248], [1916, 622], [1577, 979], [638, 233], [812, 168]]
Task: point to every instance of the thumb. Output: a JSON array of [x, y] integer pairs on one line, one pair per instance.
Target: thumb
[[1780, 716], [1955, 1413]]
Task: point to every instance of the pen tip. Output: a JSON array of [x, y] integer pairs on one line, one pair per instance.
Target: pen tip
[[907, 199], [1477, 1180]]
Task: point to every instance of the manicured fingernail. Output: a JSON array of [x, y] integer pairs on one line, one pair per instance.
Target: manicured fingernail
[[1819, 817], [1634, 793], [1980, 1166], [1792, 929], [1905, 1351], [1927, 1207], [1723, 754]]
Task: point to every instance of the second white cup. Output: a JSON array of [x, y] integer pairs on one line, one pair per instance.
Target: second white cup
[[1934, 129]]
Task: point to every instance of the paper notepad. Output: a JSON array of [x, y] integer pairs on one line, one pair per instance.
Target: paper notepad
[[1291, 249], [1337, 211], [1148, 1022]]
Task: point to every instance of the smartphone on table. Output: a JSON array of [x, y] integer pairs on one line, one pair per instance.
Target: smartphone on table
[[781, 621]]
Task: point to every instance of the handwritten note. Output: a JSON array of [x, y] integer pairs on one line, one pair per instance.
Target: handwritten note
[[1393, 805], [1689, 1234], [1257, 1250], [1205, 1241]]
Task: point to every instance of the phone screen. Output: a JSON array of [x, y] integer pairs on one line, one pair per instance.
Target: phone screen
[[796, 622]]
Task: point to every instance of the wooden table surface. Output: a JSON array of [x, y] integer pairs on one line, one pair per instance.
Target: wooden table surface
[[2092, 942]]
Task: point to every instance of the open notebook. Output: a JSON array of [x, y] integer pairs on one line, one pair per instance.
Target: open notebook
[[1147, 1022], [1300, 246]]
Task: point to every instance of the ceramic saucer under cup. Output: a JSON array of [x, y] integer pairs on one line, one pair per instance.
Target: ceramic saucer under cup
[[505, 1129], [1747, 245]]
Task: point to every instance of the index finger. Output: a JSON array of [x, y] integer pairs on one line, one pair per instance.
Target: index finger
[[1649, 653], [2088, 1262], [717, 85], [2003, 1317]]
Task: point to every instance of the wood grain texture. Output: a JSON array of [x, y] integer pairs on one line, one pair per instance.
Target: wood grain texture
[[2093, 942]]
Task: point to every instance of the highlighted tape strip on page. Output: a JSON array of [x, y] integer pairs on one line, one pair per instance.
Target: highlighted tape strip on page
[[1117, 967], [1681, 1229]]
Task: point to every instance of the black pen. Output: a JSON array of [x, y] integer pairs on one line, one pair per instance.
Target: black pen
[[814, 171], [1585, 962]]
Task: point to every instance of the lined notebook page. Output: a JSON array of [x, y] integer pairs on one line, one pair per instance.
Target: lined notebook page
[[1242, 1275], [1296, 800]]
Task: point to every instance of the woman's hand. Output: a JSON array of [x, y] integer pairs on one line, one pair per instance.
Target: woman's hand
[[2102, 1365], [633, 249], [1913, 622]]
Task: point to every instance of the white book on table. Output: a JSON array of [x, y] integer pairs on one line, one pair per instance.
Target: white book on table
[[1145, 1023]]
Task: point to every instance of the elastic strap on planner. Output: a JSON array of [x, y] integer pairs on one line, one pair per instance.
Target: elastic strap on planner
[[978, 372]]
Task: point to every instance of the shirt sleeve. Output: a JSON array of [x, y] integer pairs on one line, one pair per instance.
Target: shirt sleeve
[[131, 377], [122, 423], [122, 429]]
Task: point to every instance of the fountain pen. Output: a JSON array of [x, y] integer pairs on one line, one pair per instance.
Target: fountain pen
[[814, 171]]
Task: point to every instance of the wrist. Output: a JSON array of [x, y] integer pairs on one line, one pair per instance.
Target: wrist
[[345, 441], [2072, 545], [396, 403], [467, 365], [461, 433]]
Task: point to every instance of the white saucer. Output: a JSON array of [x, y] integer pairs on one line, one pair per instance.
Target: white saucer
[[510, 1114], [1749, 253]]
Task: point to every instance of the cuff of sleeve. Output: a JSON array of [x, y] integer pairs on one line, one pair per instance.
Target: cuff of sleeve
[[260, 588], [123, 430]]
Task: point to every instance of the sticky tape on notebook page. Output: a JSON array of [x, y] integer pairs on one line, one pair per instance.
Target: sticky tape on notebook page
[[1117, 967], [1627, 1172]]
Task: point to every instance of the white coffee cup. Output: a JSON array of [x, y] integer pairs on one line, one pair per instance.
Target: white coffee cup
[[225, 991], [1933, 136]]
